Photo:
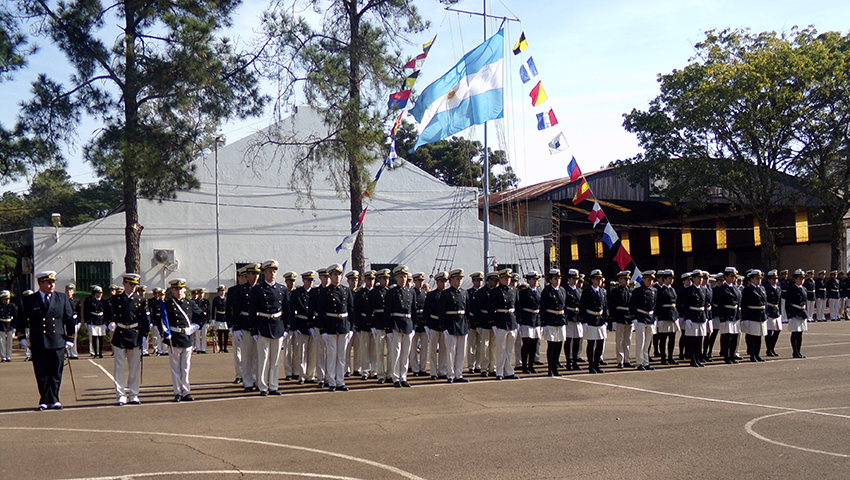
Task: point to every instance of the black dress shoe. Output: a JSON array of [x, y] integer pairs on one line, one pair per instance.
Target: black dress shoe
[[664, 361], [759, 359], [342, 389], [602, 362], [649, 367], [511, 377], [397, 384], [264, 393], [484, 374], [461, 380], [405, 384], [498, 377], [442, 377], [300, 382], [331, 389], [178, 398], [248, 389], [382, 381], [532, 370], [538, 363], [187, 398], [433, 377], [672, 362], [449, 380], [641, 368], [276, 393], [628, 365], [320, 385]]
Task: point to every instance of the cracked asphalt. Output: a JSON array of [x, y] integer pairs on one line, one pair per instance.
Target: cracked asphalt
[[783, 418]]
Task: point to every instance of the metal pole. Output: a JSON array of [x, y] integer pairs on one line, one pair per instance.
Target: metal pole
[[486, 182], [217, 239]]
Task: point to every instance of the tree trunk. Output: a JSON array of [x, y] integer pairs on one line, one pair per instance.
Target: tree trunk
[[769, 250], [837, 236], [353, 142], [132, 229]]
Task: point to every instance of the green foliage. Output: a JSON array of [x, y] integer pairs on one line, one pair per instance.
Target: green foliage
[[456, 161], [161, 89]]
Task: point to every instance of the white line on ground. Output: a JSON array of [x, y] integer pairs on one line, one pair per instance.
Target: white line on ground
[[217, 472], [749, 428]]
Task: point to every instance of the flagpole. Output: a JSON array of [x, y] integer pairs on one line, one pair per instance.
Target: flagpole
[[486, 182]]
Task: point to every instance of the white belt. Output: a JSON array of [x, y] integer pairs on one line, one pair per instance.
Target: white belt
[[460, 312], [668, 305], [435, 317], [572, 309], [643, 311], [337, 315], [698, 309], [772, 305], [419, 312], [555, 312], [243, 313], [756, 307], [529, 310], [98, 314], [733, 307], [127, 327], [302, 317], [402, 315], [5, 319], [220, 312], [269, 315], [620, 307], [177, 329], [799, 307], [504, 310], [594, 313], [485, 312], [378, 310]]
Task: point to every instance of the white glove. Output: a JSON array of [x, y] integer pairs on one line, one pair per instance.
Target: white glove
[[390, 336], [69, 344], [326, 338], [428, 331], [25, 343], [614, 327], [634, 323], [689, 324], [446, 332], [285, 333], [256, 337], [237, 335], [312, 330], [111, 327], [192, 329], [495, 329], [479, 330], [374, 331], [297, 334]]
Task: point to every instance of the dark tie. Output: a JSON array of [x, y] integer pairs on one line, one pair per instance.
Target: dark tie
[[47, 299]]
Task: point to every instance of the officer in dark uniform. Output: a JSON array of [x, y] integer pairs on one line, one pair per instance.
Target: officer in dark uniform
[[797, 317], [753, 314], [712, 320], [473, 359], [575, 328], [844, 284], [334, 306], [552, 316], [353, 357], [419, 343], [377, 309], [773, 292], [485, 323], [434, 327], [317, 352], [668, 317], [400, 305], [9, 318], [618, 305], [452, 309], [727, 299], [244, 326], [233, 299], [363, 325], [300, 326], [833, 296], [692, 300], [820, 296], [268, 309], [809, 285], [130, 325], [593, 305], [501, 303], [94, 309], [201, 317], [178, 329], [784, 284], [642, 308], [530, 327], [155, 310], [50, 319], [219, 309], [76, 306]]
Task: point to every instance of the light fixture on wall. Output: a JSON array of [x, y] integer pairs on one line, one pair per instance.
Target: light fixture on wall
[[56, 218]]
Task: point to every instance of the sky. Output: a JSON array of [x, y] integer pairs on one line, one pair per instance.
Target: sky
[[596, 60]]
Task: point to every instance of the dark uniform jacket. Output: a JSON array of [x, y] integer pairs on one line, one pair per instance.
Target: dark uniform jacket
[[820, 287], [219, 308], [772, 295], [725, 304], [334, 306], [501, 303], [618, 303], [9, 317], [809, 285], [483, 318], [708, 295], [552, 303], [665, 304], [845, 287], [77, 308], [363, 320], [201, 315], [594, 307], [692, 302], [155, 311], [269, 309], [419, 320], [754, 303], [431, 311], [400, 306], [642, 304], [452, 311], [236, 306], [177, 314], [130, 314], [833, 288], [50, 325], [94, 311], [377, 308], [528, 301], [572, 305], [299, 301], [470, 313], [795, 302]]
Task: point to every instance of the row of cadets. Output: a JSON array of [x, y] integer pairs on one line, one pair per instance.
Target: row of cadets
[[268, 310], [530, 326], [334, 304], [219, 306], [129, 323], [9, 318], [419, 342], [400, 304], [452, 309], [178, 334]]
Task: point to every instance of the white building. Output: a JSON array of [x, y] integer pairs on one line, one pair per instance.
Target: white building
[[413, 219]]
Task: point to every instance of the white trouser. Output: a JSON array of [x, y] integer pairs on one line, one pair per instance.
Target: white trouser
[[288, 367], [364, 338], [353, 353], [268, 362], [623, 338], [401, 347], [810, 309], [835, 308], [518, 350], [820, 304], [73, 350], [27, 351], [300, 344], [487, 349], [311, 357], [237, 355], [505, 340], [6, 344], [379, 346], [437, 358], [336, 347], [157, 339], [643, 342], [782, 314], [249, 360], [127, 377], [472, 358], [181, 361], [845, 304], [197, 337], [321, 351], [419, 352], [145, 345], [455, 352]]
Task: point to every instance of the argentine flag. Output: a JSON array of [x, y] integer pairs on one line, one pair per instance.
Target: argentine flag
[[469, 94]]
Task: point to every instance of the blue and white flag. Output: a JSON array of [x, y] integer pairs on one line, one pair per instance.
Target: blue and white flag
[[637, 277], [348, 242], [609, 236], [469, 94], [528, 70]]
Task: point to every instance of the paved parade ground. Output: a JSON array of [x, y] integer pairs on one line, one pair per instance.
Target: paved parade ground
[[784, 418]]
